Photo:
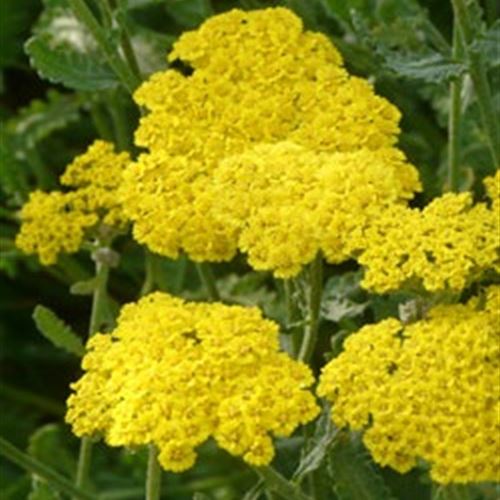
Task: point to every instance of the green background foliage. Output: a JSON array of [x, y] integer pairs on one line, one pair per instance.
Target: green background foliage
[[59, 91]]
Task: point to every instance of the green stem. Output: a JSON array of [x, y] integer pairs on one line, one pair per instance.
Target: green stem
[[83, 465], [99, 307], [129, 80], [149, 273], [479, 78], [120, 124], [454, 119], [33, 466], [153, 479], [99, 298], [101, 122], [292, 315], [207, 278], [314, 305], [125, 41]]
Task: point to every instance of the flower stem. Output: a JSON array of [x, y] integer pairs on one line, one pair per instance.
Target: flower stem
[[207, 278], [454, 119], [33, 466], [314, 305], [153, 479], [479, 78], [149, 271], [292, 315], [99, 306], [127, 77]]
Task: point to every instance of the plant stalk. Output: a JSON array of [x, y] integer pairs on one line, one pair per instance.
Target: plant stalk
[[454, 119], [314, 306], [34, 466], [153, 479], [479, 78], [99, 299], [208, 279], [127, 77], [292, 315]]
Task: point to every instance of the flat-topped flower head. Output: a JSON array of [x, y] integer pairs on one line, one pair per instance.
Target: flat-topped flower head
[[175, 373], [58, 222], [95, 176], [428, 390], [255, 77], [444, 247], [286, 203]]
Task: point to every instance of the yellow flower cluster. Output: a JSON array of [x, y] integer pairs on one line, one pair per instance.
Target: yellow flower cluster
[[56, 222], [256, 78], [174, 374], [95, 176], [285, 202], [427, 390], [442, 247]]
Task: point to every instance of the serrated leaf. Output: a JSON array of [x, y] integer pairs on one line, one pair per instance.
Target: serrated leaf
[[343, 297], [63, 51], [12, 171], [72, 69], [433, 68], [55, 330], [488, 44], [324, 439], [42, 117], [189, 13], [352, 472], [86, 287]]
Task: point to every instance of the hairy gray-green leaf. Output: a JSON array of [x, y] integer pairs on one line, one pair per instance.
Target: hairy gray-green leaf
[[55, 330], [343, 297], [70, 68], [488, 43], [42, 117], [63, 51], [352, 472], [324, 438], [13, 172], [434, 68]]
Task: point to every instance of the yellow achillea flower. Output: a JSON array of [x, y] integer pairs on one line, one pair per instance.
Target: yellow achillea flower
[[50, 226], [257, 77], [285, 202], [95, 176], [445, 246], [427, 390], [54, 223], [174, 373]]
